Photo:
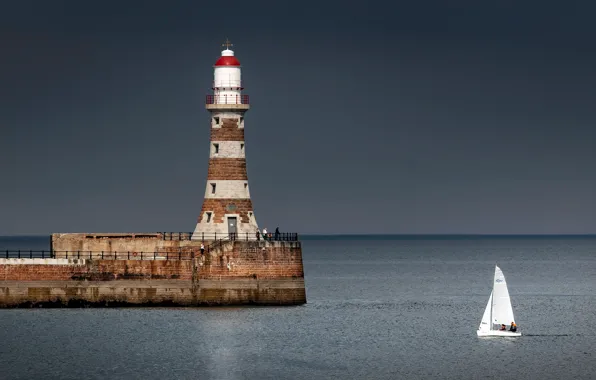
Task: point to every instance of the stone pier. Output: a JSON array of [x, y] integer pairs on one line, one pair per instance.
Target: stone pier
[[234, 273]]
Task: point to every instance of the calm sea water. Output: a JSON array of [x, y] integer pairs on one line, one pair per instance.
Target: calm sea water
[[378, 308]]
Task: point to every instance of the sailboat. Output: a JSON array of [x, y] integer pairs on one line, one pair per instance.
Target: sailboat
[[498, 310]]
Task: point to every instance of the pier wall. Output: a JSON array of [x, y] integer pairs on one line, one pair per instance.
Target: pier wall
[[122, 242], [234, 273]]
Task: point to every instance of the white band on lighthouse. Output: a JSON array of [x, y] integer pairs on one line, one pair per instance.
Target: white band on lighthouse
[[227, 149], [217, 117], [227, 189]]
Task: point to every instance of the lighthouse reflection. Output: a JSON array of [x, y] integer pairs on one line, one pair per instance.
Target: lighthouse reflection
[[228, 339]]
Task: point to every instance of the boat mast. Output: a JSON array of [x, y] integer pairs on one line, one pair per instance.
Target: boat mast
[[490, 326], [492, 302]]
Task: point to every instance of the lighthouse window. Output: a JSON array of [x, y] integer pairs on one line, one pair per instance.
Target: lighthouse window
[[215, 148], [242, 147], [208, 217], [216, 120], [245, 185], [212, 188]]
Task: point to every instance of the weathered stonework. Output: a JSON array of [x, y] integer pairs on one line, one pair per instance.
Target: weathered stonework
[[221, 207], [227, 189], [227, 131], [227, 169], [227, 149], [122, 243], [236, 273]]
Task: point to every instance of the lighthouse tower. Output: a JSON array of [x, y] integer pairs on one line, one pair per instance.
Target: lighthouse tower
[[227, 209]]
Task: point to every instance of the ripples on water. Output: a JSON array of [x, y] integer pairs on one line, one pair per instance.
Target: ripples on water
[[377, 309]]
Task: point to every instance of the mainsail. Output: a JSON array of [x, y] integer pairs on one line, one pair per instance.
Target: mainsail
[[502, 312], [485, 323]]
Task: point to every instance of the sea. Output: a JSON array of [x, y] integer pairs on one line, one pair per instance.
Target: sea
[[378, 307]]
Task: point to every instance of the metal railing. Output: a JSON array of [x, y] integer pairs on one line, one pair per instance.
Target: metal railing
[[176, 235], [244, 236], [183, 253], [104, 255], [280, 236], [227, 99]]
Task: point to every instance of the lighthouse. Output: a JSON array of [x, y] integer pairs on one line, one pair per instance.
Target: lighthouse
[[227, 208]]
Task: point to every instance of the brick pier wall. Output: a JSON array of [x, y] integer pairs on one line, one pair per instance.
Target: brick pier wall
[[258, 259], [237, 273]]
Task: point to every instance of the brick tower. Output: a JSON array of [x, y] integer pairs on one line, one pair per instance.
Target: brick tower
[[227, 209]]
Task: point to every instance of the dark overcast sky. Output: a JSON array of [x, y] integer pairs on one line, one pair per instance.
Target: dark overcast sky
[[367, 117]]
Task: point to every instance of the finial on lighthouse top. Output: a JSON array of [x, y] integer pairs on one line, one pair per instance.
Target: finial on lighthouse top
[[227, 56], [227, 44]]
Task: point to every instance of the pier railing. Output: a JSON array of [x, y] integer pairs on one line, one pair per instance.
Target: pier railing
[[245, 236], [176, 235], [211, 242], [103, 255], [106, 255]]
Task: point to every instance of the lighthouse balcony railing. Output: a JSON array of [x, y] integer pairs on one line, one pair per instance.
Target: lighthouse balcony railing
[[227, 99]]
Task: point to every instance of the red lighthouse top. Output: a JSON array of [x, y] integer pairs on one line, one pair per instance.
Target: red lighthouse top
[[227, 56], [226, 60]]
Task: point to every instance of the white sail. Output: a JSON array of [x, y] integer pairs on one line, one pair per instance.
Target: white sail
[[485, 323], [502, 312]]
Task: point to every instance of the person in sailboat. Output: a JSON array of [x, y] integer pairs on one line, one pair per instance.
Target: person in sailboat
[[503, 327], [513, 327]]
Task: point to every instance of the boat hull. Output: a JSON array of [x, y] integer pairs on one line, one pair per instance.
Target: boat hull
[[498, 333]]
